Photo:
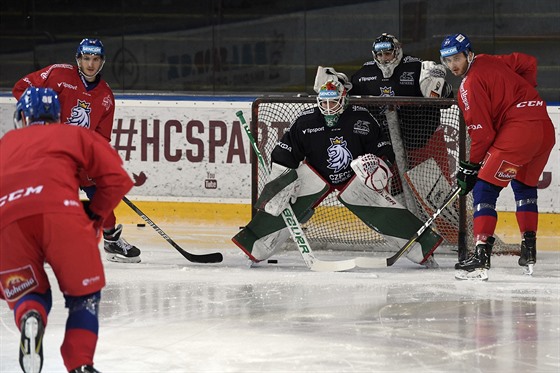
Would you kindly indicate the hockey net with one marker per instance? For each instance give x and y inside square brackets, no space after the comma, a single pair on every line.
[428,139]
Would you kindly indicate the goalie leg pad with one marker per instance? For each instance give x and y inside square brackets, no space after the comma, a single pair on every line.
[279,191]
[382,213]
[265,233]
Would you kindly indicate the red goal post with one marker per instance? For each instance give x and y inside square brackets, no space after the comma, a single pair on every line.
[428,138]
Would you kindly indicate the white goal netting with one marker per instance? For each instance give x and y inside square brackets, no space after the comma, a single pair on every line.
[428,139]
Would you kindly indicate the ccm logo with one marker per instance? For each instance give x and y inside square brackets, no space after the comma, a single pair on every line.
[530,103]
[20,193]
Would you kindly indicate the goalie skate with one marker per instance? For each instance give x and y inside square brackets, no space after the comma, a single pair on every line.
[478,274]
[528,269]
[430,262]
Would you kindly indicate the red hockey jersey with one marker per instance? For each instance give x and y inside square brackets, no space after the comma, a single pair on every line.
[93,109]
[39,172]
[495,90]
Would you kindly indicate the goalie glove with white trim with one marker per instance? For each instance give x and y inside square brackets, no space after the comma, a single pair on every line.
[372,170]
[432,80]
[281,190]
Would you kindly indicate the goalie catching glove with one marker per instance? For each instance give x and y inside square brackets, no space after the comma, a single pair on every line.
[432,80]
[280,190]
[372,170]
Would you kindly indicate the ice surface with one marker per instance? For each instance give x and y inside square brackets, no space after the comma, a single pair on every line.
[169,315]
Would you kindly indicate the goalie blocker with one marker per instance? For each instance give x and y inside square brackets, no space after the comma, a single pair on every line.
[265,233]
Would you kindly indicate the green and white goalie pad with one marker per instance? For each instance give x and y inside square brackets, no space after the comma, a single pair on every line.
[265,233]
[382,213]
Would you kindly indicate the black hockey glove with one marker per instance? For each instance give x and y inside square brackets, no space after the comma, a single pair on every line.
[467,176]
[96,219]
[92,215]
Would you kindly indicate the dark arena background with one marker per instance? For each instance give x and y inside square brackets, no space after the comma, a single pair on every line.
[181,71]
[233,46]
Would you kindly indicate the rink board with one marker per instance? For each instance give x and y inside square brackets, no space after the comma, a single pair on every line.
[238,214]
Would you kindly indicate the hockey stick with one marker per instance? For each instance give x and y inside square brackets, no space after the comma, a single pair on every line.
[374,262]
[293,224]
[204,258]
[406,248]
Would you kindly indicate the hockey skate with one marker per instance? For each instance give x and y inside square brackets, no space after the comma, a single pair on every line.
[430,262]
[477,265]
[85,369]
[31,345]
[117,249]
[528,256]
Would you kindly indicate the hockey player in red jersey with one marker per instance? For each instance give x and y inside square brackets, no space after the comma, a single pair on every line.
[43,221]
[86,101]
[512,137]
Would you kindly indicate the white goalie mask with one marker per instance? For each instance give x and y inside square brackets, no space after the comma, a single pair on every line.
[332,100]
[387,53]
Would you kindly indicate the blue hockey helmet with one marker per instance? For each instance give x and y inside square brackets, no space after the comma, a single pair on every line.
[37,106]
[453,44]
[90,46]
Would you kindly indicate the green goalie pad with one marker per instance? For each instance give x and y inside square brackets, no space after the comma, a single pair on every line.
[265,233]
[275,186]
[382,213]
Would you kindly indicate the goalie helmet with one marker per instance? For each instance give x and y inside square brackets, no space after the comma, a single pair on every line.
[387,53]
[37,106]
[332,99]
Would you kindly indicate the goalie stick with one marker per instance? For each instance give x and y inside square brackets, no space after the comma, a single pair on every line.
[203,258]
[406,248]
[293,224]
[374,262]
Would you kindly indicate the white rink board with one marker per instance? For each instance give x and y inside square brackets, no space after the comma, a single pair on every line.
[192,148]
